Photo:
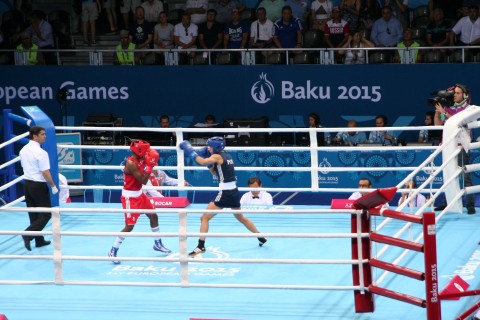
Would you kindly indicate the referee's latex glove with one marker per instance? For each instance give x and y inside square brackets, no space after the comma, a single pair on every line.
[54,190]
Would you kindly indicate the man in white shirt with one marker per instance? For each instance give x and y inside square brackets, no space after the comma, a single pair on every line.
[256,197]
[468,27]
[198,10]
[363,183]
[261,30]
[152,10]
[36,171]
[185,34]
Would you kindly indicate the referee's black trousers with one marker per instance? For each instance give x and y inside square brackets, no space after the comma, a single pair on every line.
[37,195]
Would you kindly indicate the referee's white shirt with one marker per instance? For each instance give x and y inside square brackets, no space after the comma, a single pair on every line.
[263,198]
[34,160]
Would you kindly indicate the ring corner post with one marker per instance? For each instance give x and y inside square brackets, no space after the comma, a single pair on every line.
[433,305]
[362,273]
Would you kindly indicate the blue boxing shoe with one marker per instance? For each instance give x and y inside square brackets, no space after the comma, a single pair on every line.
[158,246]
[113,253]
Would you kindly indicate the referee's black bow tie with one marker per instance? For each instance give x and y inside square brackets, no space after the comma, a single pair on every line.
[255,197]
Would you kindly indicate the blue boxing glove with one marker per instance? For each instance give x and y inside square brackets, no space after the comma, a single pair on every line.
[203,152]
[187,148]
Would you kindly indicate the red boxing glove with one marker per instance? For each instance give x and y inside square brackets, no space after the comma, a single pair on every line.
[148,170]
[151,158]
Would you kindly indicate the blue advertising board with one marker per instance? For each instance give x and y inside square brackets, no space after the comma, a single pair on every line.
[282,179]
[67,156]
[284,94]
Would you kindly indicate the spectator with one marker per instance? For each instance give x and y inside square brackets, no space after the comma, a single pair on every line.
[32,56]
[451,8]
[273,8]
[42,34]
[90,11]
[468,28]
[126,7]
[314,122]
[185,35]
[210,33]
[163,35]
[110,7]
[197,9]
[224,10]
[300,10]
[363,183]
[236,32]
[350,138]
[386,31]
[210,120]
[351,12]
[261,30]
[166,138]
[152,10]
[354,42]
[256,197]
[461,102]
[431,136]
[321,10]
[124,54]
[419,199]
[336,31]
[385,137]
[438,31]
[288,31]
[370,11]
[400,11]
[408,42]
[141,33]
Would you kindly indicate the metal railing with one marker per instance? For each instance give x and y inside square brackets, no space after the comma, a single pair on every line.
[247,57]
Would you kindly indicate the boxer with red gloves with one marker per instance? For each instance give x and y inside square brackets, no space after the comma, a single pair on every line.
[136,173]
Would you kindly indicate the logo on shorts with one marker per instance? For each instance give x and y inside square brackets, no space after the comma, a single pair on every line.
[262,91]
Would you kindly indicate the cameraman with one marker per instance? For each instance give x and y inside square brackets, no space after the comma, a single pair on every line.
[461,99]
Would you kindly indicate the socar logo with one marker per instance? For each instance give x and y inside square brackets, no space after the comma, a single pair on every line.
[262,91]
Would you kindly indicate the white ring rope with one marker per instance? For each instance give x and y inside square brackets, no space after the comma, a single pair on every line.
[182,234]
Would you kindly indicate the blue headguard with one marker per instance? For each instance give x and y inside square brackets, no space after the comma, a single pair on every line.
[217,144]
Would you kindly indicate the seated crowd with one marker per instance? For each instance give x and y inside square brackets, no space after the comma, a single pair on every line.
[350,137]
[296,25]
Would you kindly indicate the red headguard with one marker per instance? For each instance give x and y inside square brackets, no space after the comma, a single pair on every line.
[139,147]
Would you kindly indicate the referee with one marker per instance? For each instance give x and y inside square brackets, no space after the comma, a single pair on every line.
[36,170]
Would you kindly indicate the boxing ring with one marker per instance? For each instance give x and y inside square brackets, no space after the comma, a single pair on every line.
[318,262]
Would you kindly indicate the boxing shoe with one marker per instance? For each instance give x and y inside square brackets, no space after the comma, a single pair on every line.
[261,241]
[196,251]
[440,208]
[26,240]
[113,253]
[471,210]
[158,246]
[42,243]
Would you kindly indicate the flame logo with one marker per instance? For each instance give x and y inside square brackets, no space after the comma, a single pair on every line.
[262,91]
[324,164]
